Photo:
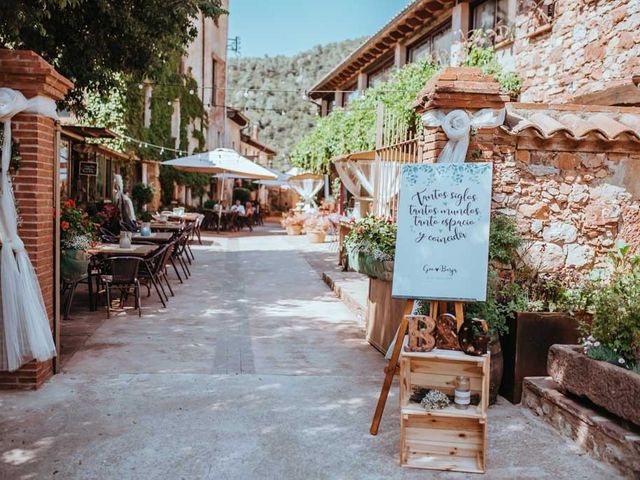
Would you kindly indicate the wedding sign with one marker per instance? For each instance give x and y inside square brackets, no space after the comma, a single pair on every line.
[442,247]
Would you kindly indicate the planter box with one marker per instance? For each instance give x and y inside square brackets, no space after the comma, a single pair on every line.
[609,386]
[526,346]
[383,314]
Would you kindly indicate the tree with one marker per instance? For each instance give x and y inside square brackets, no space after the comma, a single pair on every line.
[91,41]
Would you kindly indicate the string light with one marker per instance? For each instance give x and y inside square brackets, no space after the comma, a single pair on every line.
[144,144]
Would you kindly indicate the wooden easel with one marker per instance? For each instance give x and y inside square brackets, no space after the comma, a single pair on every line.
[392,367]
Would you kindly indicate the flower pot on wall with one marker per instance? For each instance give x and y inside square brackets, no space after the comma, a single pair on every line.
[614,388]
[73,265]
[526,345]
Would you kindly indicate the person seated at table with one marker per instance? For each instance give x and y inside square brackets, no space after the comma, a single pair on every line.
[238,207]
[251,210]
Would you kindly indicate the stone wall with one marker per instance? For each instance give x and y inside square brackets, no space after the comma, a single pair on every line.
[591,45]
[571,206]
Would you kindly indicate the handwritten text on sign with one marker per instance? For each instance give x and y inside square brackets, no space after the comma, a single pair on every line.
[443,231]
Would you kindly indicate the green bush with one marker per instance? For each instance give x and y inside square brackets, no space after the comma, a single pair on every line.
[209,204]
[141,194]
[242,194]
[613,329]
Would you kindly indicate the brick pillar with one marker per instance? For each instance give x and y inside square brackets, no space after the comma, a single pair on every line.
[462,88]
[34,186]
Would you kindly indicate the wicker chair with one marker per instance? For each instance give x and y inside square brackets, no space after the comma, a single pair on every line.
[122,273]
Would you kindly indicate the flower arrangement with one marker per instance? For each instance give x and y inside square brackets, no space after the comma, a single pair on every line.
[77,231]
[296,220]
[317,223]
[374,236]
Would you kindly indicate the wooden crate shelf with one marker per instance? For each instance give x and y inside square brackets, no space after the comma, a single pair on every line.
[449,439]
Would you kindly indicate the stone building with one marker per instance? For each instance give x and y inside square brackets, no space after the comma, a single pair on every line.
[568,173]
[252,148]
[561,49]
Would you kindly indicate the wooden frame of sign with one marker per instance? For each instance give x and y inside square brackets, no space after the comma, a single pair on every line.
[437,307]
[441,247]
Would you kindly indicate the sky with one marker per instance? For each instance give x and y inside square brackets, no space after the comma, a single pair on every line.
[286,27]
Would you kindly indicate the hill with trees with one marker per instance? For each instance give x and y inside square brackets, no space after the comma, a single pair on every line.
[270,91]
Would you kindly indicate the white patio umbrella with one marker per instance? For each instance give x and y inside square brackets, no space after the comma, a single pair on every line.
[225,161]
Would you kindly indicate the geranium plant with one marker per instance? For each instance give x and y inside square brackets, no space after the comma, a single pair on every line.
[77,231]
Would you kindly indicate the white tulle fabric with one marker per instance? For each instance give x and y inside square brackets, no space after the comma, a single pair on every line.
[24,323]
[457,125]
[307,189]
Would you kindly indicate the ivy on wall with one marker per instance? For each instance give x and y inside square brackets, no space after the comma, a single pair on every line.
[122,110]
[353,130]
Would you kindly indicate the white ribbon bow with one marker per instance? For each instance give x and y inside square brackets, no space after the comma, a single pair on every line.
[457,126]
[24,323]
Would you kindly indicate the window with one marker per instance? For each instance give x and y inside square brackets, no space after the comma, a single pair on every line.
[493,17]
[380,75]
[63,180]
[435,46]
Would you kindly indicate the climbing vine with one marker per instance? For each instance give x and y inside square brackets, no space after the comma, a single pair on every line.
[352,130]
[122,110]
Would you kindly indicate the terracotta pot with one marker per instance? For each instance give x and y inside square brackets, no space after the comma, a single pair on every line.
[497,369]
[316,236]
[294,230]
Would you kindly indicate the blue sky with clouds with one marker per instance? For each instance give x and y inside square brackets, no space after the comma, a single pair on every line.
[275,27]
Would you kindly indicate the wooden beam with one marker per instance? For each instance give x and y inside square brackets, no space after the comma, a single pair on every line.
[414,22]
[621,95]
[396,35]
[405,28]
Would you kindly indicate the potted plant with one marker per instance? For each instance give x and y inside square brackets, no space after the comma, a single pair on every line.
[77,235]
[606,369]
[371,246]
[293,224]
[142,194]
[316,227]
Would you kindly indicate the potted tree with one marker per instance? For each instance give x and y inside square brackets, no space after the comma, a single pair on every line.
[142,194]
[77,235]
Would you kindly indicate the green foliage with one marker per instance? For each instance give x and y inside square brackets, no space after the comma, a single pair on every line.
[614,307]
[209,204]
[504,239]
[352,130]
[481,54]
[145,216]
[374,236]
[335,188]
[91,41]
[170,176]
[242,194]
[141,194]
[283,116]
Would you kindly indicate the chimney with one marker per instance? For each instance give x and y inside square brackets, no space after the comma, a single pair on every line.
[254,132]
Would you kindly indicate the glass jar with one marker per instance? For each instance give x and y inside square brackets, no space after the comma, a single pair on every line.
[462,394]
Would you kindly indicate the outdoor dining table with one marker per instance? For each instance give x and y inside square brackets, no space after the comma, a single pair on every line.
[155,237]
[166,226]
[106,250]
[114,250]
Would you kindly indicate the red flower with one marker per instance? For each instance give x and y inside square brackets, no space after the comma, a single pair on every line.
[353,220]
[70,203]
[65,226]
[360,229]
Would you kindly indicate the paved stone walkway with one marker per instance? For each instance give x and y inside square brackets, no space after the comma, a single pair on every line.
[255,371]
